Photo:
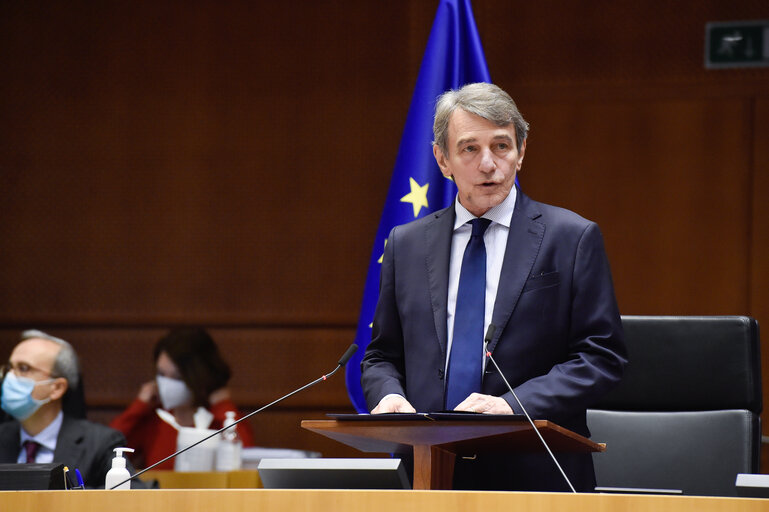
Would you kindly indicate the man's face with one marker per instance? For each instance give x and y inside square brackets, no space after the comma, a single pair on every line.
[482,158]
[33,359]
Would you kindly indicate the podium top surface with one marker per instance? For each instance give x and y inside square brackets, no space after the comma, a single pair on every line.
[429,416]
[461,434]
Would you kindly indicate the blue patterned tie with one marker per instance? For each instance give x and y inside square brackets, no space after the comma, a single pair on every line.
[467,343]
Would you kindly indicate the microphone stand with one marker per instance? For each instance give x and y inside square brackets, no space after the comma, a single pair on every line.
[486,340]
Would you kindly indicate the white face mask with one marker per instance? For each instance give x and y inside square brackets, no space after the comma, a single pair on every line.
[173,392]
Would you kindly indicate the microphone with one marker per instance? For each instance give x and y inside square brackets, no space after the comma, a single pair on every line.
[486,340]
[342,361]
[345,357]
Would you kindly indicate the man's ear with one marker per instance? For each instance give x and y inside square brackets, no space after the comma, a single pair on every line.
[60,386]
[440,158]
[521,153]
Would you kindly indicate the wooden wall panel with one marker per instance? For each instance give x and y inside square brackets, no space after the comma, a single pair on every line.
[759,256]
[672,208]
[557,45]
[173,164]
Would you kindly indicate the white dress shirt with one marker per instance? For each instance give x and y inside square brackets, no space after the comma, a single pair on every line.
[46,439]
[495,240]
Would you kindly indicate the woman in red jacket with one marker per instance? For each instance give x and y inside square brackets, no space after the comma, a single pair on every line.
[190,373]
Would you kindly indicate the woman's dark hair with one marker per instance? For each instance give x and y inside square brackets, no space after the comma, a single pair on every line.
[194,352]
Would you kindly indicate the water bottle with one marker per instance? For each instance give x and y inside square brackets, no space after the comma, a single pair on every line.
[228,457]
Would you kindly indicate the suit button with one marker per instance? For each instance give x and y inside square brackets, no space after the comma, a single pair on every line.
[440,374]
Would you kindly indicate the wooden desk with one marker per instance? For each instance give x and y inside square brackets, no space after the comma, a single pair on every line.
[264,500]
[243,479]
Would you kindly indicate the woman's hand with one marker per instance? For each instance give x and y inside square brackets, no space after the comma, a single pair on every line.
[148,393]
[219,395]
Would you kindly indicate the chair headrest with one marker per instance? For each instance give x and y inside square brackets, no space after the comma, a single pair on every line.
[689,363]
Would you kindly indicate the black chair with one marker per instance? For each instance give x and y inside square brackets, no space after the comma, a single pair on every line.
[686,414]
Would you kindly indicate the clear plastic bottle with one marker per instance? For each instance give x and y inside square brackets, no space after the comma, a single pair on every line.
[228,453]
[118,473]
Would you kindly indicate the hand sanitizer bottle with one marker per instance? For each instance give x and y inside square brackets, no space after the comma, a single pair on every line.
[228,457]
[118,473]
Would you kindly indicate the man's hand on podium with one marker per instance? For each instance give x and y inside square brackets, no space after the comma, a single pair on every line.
[393,403]
[488,404]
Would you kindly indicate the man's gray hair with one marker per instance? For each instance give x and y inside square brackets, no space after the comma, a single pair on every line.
[485,100]
[66,364]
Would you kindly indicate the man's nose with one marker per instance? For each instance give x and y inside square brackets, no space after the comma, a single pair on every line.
[487,163]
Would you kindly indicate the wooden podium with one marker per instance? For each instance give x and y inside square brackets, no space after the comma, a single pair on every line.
[437,440]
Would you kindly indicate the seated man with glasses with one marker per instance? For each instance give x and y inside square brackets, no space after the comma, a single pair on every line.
[40,370]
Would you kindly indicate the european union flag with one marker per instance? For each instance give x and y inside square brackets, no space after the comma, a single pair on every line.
[453,58]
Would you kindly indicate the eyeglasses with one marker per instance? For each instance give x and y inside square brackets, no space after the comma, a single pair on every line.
[21,370]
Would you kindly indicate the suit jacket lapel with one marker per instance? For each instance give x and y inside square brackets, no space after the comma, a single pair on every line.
[438,235]
[523,242]
[10,442]
[69,443]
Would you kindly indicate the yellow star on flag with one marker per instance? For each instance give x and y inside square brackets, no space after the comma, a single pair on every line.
[417,197]
[382,256]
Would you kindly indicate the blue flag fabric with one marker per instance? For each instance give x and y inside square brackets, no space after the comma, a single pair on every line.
[453,57]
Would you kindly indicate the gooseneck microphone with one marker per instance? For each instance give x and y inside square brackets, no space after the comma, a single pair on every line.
[486,340]
[342,361]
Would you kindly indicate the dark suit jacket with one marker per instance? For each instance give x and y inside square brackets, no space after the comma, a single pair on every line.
[558,336]
[81,444]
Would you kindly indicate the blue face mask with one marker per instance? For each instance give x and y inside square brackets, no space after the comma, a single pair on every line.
[17,397]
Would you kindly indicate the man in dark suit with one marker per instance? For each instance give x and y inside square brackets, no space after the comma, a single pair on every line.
[36,377]
[545,285]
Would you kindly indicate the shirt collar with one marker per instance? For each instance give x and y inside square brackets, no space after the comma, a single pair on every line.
[501,214]
[47,437]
